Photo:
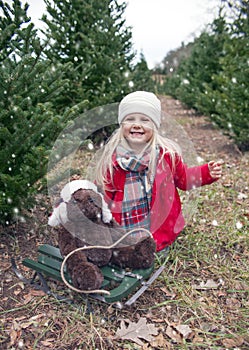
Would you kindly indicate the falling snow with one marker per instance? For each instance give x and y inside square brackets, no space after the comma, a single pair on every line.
[214,223]
[185,81]
[199,159]
[90,146]
[239,225]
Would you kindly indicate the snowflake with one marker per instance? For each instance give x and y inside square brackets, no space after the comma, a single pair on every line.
[185,81]
[239,225]
[214,223]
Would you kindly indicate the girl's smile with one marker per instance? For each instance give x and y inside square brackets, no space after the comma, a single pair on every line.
[137,129]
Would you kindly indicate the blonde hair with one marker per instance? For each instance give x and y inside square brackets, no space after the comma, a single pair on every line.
[104,163]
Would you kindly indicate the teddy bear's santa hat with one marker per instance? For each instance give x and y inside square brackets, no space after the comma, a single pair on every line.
[59,214]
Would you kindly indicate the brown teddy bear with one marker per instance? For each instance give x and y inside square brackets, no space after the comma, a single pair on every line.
[84,220]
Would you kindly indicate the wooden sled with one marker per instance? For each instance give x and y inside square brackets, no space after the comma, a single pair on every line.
[119,282]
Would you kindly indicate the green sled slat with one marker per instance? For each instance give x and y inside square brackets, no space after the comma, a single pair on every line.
[49,250]
[48,271]
[128,285]
[49,263]
[109,272]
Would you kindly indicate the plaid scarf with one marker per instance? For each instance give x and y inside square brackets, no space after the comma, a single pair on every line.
[137,190]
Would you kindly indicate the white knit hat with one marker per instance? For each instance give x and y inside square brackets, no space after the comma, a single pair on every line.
[141,102]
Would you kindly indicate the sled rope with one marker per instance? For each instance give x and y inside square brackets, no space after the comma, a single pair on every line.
[98,291]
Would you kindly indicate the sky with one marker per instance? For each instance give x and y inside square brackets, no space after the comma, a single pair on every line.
[158,26]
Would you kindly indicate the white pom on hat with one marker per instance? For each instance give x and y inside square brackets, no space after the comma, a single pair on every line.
[75,185]
[141,102]
[59,215]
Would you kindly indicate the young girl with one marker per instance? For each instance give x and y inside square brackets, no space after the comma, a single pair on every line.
[139,171]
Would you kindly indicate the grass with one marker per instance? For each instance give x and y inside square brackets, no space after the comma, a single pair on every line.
[218,316]
[213,247]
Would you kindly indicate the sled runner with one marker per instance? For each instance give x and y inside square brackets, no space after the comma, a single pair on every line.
[119,282]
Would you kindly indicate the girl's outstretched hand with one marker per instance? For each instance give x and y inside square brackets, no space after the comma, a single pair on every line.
[215,168]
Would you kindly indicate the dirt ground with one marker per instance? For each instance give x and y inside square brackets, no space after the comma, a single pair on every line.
[22,239]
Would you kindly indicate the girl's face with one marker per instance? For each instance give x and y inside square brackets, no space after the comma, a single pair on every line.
[137,129]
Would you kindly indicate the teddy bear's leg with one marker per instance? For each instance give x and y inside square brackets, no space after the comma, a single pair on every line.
[85,275]
[139,256]
[99,257]
[66,241]
[121,256]
[144,254]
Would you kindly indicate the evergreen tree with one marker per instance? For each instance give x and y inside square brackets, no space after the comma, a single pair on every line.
[29,123]
[230,97]
[171,61]
[214,79]
[90,34]
[142,76]
[204,61]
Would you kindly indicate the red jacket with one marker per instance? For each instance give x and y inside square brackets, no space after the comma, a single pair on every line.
[166,213]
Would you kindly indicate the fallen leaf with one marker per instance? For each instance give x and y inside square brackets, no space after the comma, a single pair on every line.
[33,293]
[197,339]
[157,320]
[210,284]
[19,284]
[13,336]
[233,303]
[242,195]
[20,318]
[239,285]
[27,298]
[160,342]
[37,317]
[233,343]
[15,333]
[17,292]
[48,342]
[185,331]
[25,325]
[34,321]
[5,266]
[37,293]
[168,293]
[173,334]
[228,184]
[136,331]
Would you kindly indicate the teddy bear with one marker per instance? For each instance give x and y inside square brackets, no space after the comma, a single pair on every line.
[83,219]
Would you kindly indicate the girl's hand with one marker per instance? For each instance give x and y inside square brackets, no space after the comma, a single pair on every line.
[215,168]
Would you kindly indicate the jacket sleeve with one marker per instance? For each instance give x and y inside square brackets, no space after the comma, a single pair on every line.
[187,178]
